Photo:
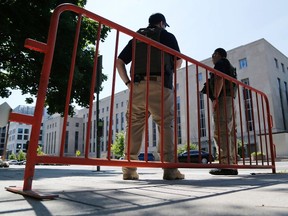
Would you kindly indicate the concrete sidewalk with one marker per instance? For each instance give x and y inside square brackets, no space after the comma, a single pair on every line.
[84,191]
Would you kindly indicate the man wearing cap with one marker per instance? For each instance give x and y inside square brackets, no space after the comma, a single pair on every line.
[157,23]
[224,113]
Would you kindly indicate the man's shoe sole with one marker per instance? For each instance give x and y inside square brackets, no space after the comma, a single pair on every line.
[223,172]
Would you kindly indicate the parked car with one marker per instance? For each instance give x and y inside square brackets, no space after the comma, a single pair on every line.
[13,162]
[141,156]
[23,162]
[194,157]
[4,163]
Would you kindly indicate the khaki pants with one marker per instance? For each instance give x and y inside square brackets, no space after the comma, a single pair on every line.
[138,120]
[224,131]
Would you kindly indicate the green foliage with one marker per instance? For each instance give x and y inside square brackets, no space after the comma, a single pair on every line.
[259,154]
[21,156]
[12,157]
[20,68]
[39,150]
[118,145]
[77,153]
[241,148]
[184,148]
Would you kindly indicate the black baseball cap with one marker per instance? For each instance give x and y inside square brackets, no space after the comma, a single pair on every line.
[156,18]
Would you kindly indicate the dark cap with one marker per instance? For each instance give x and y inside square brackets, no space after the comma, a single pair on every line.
[157,18]
[222,52]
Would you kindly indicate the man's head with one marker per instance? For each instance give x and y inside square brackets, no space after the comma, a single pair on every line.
[218,54]
[158,19]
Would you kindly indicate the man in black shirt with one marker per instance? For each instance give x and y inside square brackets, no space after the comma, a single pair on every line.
[224,119]
[157,25]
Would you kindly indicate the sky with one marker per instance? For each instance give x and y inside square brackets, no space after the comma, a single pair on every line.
[200,27]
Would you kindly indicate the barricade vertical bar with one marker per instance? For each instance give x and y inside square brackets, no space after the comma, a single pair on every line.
[198,113]
[218,128]
[176,128]
[241,124]
[246,92]
[187,110]
[92,88]
[128,147]
[254,127]
[113,88]
[228,147]
[269,118]
[146,141]
[234,123]
[209,117]
[162,108]
[265,130]
[69,88]
[259,128]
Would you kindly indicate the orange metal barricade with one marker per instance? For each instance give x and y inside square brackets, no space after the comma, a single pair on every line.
[256,107]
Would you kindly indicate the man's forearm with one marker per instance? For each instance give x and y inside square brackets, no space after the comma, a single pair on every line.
[122,71]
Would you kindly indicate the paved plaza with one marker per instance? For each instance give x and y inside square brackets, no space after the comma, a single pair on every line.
[84,191]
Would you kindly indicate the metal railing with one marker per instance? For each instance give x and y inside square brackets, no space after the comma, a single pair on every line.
[255,107]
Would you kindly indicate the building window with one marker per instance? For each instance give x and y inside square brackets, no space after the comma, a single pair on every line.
[202,116]
[77,124]
[243,63]
[282,104]
[179,121]
[76,140]
[117,123]
[247,98]
[20,130]
[286,91]
[116,105]
[276,63]
[154,136]
[283,68]
[200,77]
[122,121]
[66,141]
[26,131]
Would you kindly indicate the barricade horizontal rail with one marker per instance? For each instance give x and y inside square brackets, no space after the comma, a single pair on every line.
[251,105]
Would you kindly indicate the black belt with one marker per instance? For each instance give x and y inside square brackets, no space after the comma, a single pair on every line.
[153,78]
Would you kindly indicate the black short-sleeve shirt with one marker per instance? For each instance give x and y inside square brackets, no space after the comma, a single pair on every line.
[224,66]
[167,39]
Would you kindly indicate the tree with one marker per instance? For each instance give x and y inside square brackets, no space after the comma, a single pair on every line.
[12,157]
[20,68]
[118,145]
[21,156]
